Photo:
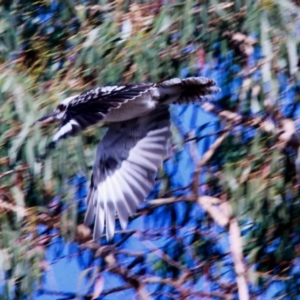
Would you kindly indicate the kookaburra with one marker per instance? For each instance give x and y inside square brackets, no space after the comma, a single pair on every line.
[135,145]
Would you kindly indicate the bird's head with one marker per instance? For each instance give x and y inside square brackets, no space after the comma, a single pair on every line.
[58,113]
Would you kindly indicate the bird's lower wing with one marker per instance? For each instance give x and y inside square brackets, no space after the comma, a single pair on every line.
[127,161]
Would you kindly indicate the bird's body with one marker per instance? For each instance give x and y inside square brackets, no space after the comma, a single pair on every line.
[135,145]
[132,109]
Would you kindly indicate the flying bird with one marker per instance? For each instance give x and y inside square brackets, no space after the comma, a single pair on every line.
[135,145]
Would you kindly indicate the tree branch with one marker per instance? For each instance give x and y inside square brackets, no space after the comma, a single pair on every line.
[236,248]
[207,203]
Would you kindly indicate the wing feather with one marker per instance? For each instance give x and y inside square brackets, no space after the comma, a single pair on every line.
[99,221]
[129,200]
[128,158]
[123,211]
[91,207]
[92,106]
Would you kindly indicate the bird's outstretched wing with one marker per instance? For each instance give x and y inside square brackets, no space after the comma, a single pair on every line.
[92,106]
[128,158]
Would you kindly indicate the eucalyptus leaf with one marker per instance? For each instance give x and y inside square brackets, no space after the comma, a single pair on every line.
[20,201]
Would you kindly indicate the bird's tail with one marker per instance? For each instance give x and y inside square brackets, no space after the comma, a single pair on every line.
[188,90]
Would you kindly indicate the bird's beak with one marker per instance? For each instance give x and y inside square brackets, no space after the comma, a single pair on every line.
[47,119]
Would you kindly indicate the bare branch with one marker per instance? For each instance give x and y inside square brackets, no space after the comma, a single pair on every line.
[6,173]
[143,293]
[73,295]
[164,256]
[15,208]
[178,284]
[236,248]
[225,114]
[207,203]
[211,151]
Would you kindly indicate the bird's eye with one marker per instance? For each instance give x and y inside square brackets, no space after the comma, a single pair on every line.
[61,107]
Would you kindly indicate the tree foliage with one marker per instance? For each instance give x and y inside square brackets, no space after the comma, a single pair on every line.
[233,228]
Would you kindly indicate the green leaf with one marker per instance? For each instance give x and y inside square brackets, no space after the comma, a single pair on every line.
[48,172]
[245,173]
[91,38]
[19,139]
[20,201]
[8,84]
[83,276]
[252,256]
[163,21]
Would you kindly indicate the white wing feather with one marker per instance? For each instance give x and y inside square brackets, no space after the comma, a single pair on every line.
[128,158]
